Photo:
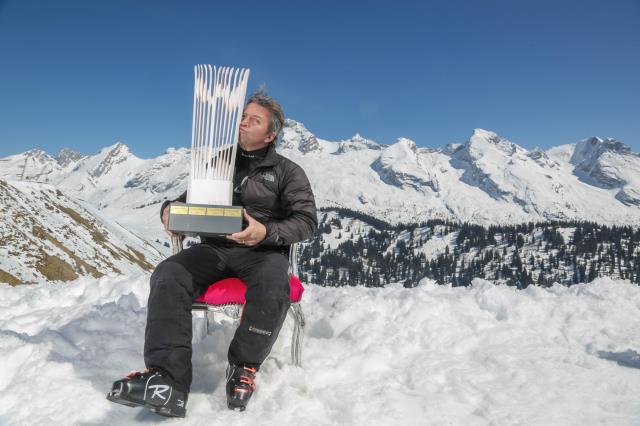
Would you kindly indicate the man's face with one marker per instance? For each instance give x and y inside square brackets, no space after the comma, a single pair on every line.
[254,133]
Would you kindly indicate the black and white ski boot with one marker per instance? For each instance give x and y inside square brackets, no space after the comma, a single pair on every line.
[149,389]
[240,386]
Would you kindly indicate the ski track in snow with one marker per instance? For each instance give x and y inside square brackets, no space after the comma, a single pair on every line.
[431,355]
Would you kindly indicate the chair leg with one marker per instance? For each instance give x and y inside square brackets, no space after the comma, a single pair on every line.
[298,333]
[200,326]
[203,324]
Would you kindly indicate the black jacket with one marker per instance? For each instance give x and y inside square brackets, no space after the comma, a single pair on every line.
[277,194]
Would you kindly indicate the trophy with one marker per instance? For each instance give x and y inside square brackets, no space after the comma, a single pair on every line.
[218,102]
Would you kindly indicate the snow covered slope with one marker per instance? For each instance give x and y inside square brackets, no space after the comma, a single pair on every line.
[46,235]
[123,187]
[433,354]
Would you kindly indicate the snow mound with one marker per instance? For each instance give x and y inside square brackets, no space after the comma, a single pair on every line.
[432,354]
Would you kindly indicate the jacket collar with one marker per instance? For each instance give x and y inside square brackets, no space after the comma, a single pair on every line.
[271,159]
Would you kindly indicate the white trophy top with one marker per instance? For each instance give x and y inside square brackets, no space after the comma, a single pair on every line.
[218,102]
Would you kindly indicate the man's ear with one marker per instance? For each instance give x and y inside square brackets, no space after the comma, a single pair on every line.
[272,137]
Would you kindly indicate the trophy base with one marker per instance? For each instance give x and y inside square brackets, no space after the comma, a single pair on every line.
[206,220]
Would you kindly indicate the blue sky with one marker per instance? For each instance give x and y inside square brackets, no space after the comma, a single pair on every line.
[85,74]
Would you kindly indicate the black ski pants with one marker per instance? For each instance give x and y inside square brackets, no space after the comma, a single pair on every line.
[181,278]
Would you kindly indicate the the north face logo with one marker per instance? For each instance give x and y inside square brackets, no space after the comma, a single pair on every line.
[268,177]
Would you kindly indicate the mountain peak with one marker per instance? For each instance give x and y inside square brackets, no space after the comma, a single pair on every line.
[487,135]
[407,142]
[589,150]
[119,148]
[39,156]
[482,139]
[406,145]
[296,135]
[297,126]
[35,152]
[357,143]
[67,156]
[111,155]
[601,145]
[180,150]
[607,163]
[402,148]
[361,139]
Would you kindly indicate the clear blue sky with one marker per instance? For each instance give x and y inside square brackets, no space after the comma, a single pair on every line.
[85,74]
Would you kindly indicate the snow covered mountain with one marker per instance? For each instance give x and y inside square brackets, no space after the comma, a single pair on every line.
[46,235]
[598,163]
[486,180]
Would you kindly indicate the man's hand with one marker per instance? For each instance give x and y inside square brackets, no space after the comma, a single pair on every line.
[165,222]
[252,234]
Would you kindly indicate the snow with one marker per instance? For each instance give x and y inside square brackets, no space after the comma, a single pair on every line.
[437,244]
[429,355]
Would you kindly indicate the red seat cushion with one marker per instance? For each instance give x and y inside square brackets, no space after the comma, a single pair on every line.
[231,290]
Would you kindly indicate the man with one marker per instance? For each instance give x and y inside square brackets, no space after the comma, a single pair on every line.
[279,210]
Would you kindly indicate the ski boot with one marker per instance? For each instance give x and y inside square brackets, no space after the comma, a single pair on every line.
[149,389]
[240,386]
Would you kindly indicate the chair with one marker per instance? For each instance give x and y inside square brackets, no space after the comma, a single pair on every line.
[227,297]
